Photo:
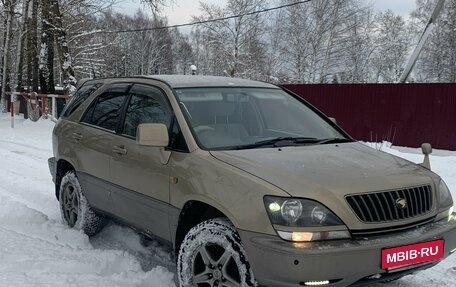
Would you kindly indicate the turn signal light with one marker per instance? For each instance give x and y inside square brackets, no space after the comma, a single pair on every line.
[301,236]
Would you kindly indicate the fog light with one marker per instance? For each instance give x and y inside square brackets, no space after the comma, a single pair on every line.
[316,283]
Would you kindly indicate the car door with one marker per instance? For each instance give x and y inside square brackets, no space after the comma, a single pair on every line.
[95,136]
[140,175]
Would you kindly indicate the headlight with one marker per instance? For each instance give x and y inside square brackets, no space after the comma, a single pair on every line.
[291,210]
[302,220]
[451,214]
[299,212]
[445,196]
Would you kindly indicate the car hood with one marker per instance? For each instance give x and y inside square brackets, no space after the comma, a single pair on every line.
[327,173]
[341,169]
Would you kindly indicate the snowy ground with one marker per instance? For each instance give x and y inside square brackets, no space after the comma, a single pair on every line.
[37,249]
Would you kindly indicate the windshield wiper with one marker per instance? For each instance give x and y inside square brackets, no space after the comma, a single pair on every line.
[333,140]
[279,142]
[291,141]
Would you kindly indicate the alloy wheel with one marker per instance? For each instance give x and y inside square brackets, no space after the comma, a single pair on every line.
[70,205]
[214,266]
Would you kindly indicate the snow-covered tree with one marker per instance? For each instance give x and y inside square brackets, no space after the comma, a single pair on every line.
[234,46]
[437,62]
[315,35]
[274,66]
[358,48]
[8,11]
[182,53]
[46,52]
[132,53]
[393,45]
[321,41]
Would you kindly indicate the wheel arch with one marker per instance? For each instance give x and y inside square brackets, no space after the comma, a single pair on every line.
[193,213]
[63,166]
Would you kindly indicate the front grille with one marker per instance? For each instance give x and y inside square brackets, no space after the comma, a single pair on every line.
[387,206]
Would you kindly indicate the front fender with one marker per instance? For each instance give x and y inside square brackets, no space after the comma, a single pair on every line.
[235,193]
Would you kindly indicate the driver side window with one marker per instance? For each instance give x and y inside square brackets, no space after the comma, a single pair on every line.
[147,105]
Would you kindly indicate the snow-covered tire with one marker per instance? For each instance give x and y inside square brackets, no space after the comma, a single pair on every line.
[75,209]
[211,254]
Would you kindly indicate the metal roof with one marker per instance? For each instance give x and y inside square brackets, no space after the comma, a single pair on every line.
[193,81]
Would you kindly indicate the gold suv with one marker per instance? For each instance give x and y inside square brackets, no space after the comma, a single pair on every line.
[250,184]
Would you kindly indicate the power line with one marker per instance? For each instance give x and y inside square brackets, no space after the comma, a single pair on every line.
[210,20]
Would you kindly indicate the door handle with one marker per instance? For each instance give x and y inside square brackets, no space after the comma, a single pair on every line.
[120,150]
[77,136]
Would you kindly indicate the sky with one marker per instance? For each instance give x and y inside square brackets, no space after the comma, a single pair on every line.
[401,7]
[183,10]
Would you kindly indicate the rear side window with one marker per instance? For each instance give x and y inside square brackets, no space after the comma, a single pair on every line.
[79,97]
[106,110]
[147,105]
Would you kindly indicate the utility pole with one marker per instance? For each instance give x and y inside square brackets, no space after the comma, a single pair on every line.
[424,37]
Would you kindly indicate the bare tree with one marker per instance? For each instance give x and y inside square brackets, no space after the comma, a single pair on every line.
[357,49]
[275,70]
[182,52]
[22,49]
[65,59]
[157,5]
[9,11]
[123,54]
[32,46]
[393,42]
[437,62]
[236,43]
[314,32]
[46,55]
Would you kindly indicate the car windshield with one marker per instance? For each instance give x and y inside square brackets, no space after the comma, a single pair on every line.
[242,118]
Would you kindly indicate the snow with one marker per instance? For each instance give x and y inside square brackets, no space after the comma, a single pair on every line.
[37,249]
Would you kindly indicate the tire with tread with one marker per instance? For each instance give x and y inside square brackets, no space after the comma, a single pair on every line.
[74,207]
[225,262]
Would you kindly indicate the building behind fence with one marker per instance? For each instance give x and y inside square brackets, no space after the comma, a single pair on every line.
[406,114]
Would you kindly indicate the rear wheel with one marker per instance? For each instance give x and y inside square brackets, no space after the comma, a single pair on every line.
[75,209]
[211,255]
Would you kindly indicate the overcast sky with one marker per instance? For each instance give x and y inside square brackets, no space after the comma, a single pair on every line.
[182,10]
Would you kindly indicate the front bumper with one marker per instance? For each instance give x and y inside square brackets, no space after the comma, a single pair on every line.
[276,262]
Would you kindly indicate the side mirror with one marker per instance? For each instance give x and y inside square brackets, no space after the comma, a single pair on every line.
[333,120]
[152,135]
[427,150]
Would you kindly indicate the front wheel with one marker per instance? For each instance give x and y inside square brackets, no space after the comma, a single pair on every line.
[211,254]
[75,209]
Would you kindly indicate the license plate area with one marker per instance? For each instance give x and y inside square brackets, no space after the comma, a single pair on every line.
[407,255]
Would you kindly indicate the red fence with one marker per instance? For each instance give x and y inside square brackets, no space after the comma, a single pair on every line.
[407,114]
